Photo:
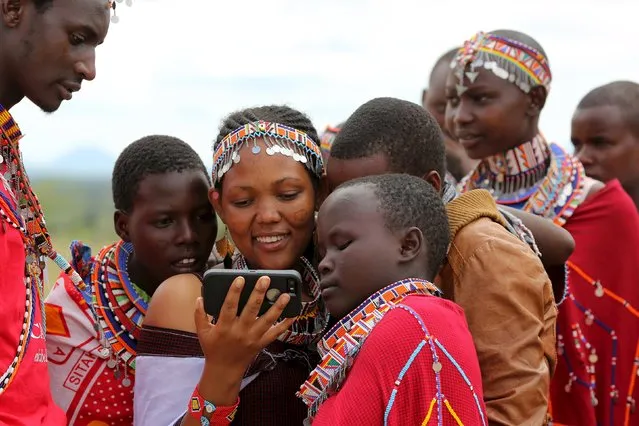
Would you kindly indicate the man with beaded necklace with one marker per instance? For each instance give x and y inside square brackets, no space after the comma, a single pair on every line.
[47,48]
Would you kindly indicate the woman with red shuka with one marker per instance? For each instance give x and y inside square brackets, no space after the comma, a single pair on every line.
[496,91]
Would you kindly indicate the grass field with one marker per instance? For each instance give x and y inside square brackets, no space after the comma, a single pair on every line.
[76,210]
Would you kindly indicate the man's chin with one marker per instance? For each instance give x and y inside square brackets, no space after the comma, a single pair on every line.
[49,109]
[47,106]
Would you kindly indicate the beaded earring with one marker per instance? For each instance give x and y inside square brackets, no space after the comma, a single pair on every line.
[112,5]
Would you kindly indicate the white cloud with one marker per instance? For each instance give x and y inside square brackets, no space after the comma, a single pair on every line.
[179,67]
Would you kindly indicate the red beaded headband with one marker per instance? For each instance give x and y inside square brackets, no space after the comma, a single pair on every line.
[278,138]
[509,59]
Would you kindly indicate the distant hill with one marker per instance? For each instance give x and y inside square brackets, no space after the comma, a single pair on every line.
[76,209]
[81,162]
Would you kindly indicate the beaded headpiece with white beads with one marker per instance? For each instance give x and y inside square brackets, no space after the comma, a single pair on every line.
[278,139]
[508,59]
[112,5]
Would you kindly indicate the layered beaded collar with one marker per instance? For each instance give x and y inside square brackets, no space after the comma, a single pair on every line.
[342,343]
[535,176]
[312,321]
[512,175]
[120,305]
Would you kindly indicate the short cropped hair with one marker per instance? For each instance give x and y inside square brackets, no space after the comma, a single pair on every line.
[409,201]
[150,155]
[403,131]
[621,94]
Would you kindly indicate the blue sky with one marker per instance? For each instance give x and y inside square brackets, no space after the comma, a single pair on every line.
[178,67]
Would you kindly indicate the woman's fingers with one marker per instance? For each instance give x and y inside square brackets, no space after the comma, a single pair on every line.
[228,313]
[266,321]
[248,327]
[252,309]
[275,331]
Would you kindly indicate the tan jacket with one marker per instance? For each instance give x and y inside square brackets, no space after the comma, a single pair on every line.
[508,300]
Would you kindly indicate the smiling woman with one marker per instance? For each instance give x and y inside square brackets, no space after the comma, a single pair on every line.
[267,166]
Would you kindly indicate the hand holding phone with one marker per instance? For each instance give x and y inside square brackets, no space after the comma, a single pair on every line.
[233,342]
[217,283]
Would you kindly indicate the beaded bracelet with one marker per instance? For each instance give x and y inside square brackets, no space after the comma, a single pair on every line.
[208,414]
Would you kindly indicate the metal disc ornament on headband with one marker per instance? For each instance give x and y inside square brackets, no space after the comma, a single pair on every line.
[112,5]
[278,138]
[508,59]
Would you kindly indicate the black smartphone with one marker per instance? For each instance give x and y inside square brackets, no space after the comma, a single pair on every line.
[217,283]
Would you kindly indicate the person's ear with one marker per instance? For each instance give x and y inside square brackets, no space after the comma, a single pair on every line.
[536,100]
[12,12]
[121,225]
[435,180]
[411,243]
[215,200]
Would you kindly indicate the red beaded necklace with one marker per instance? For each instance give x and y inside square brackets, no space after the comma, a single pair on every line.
[22,211]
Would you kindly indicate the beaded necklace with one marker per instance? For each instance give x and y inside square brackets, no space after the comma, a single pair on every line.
[22,211]
[120,305]
[534,177]
[10,215]
[512,175]
[313,320]
[556,197]
[340,345]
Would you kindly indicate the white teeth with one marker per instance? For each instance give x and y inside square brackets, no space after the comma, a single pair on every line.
[187,261]
[270,239]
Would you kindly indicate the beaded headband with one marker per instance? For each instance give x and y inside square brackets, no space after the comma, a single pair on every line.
[112,4]
[327,138]
[508,59]
[278,138]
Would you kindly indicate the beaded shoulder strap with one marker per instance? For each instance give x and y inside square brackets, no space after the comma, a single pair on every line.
[342,343]
[20,209]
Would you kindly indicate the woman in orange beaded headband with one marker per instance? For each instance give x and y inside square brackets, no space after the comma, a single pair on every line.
[266,171]
[496,93]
